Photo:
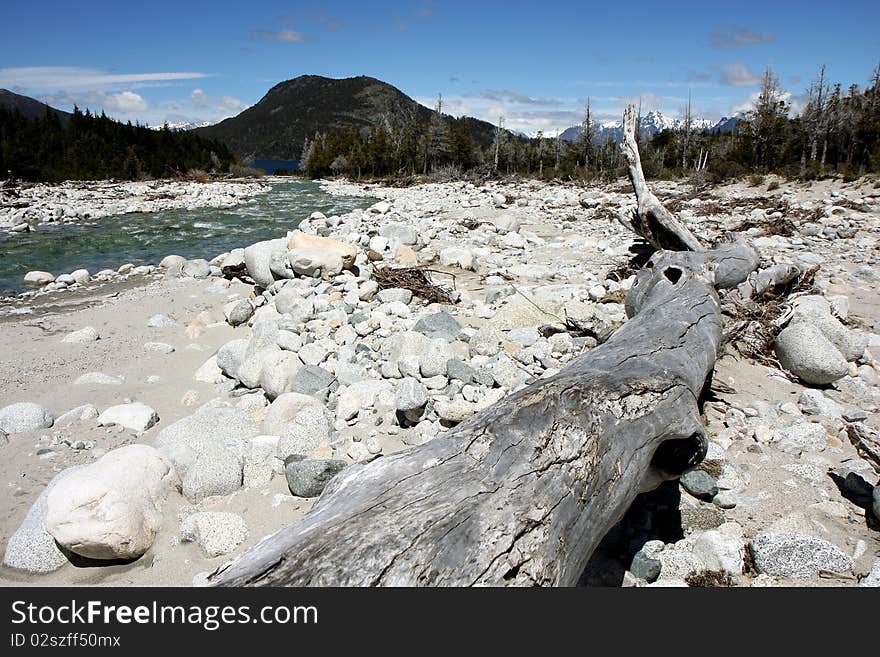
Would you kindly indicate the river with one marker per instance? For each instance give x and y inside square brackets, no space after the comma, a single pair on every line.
[146,238]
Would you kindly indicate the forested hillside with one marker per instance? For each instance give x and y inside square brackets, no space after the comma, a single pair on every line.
[88,147]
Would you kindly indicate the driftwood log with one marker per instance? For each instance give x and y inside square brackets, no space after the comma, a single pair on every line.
[521,493]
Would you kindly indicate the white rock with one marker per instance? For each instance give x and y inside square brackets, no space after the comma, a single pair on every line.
[86,334]
[112,508]
[135,416]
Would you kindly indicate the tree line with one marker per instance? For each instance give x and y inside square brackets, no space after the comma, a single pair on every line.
[836,132]
[83,146]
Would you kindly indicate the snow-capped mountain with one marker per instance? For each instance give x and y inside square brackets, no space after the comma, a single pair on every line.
[650,124]
[183,125]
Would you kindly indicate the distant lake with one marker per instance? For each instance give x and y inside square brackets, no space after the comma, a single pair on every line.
[146,237]
[270,166]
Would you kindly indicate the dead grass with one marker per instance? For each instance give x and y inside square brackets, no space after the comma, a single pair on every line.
[416,280]
[709,579]
[753,324]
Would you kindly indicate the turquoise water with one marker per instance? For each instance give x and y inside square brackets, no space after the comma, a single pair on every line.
[146,238]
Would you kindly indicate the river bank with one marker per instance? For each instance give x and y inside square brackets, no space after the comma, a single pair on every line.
[333,368]
[25,205]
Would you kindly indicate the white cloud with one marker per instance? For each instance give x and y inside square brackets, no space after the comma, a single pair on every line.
[125,102]
[51,78]
[286,35]
[199,98]
[738,74]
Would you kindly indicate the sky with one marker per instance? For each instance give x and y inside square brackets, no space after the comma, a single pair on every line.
[533,63]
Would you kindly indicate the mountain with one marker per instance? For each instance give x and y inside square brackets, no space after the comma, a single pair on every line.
[650,124]
[276,127]
[183,125]
[29,107]
[727,124]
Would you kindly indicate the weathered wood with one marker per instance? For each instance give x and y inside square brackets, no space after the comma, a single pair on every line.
[650,219]
[521,493]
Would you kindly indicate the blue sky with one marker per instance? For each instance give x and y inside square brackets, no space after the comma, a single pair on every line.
[534,63]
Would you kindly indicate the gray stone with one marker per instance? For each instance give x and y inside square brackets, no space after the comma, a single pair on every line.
[392,294]
[816,310]
[796,555]
[284,409]
[240,313]
[258,257]
[410,394]
[159,347]
[135,416]
[803,350]
[197,268]
[399,233]
[31,548]
[700,484]
[278,371]
[807,436]
[308,478]
[458,369]
[230,357]
[875,505]
[216,532]
[645,566]
[439,325]
[215,471]
[814,402]
[313,261]
[209,372]
[78,414]
[25,416]
[312,380]
[432,361]
[213,425]
[310,430]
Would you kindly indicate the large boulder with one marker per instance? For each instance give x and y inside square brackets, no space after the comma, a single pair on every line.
[257,258]
[38,278]
[284,410]
[299,240]
[309,431]
[279,369]
[25,416]
[816,310]
[213,425]
[112,508]
[311,261]
[230,357]
[804,351]
[796,555]
[198,268]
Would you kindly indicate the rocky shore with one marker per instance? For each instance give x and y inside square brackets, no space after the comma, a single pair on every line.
[28,205]
[155,432]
